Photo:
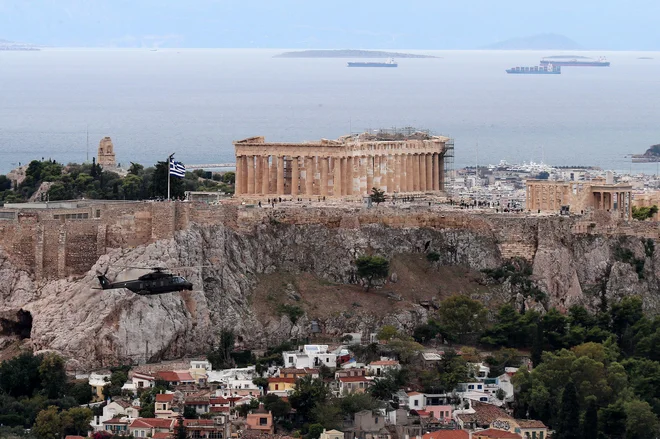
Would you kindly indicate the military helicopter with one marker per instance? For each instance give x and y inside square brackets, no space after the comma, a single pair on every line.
[156,282]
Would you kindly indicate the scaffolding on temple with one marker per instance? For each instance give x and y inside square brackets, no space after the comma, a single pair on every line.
[448,182]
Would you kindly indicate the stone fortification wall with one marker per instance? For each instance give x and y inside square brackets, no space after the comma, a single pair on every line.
[54,243]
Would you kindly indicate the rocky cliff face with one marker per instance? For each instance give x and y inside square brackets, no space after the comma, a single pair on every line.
[96,328]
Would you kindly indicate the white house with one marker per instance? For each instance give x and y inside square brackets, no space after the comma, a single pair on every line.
[479,370]
[378,368]
[199,369]
[139,381]
[416,401]
[311,355]
[119,409]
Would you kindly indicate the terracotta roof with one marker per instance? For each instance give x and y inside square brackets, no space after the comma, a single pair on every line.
[413,393]
[220,409]
[185,376]
[152,423]
[491,433]
[384,363]
[168,375]
[219,400]
[165,397]
[422,413]
[161,435]
[483,414]
[530,423]
[447,434]
[353,379]
[74,437]
[281,380]
[143,376]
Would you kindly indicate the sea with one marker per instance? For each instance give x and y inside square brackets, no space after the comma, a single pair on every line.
[58,104]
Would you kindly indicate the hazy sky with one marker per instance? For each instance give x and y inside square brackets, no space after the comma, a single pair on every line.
[421,24]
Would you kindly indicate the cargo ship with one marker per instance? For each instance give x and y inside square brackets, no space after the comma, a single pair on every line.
[389,63]
[575,62]
[548,69]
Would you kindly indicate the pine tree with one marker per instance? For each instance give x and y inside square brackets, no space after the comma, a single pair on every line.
[590,422]
[568,422]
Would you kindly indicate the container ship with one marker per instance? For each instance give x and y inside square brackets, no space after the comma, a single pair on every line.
[389,63]
[548,69]
[575,62]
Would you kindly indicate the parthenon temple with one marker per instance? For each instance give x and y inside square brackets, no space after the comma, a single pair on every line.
[349,166]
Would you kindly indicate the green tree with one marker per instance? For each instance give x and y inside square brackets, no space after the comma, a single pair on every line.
[377,195]
[371,268]
[75,421]
[328,414]
[19,376]
[387,332]
[181,431]
[307,393]
[461,316]
[315,431]
[229,177]
[590,421]
[220,357]
[641,422]
[189,412]
[276,405]
[135,169]
[48,424]
[569,413]
[131,186]
[81,391]
[53,375]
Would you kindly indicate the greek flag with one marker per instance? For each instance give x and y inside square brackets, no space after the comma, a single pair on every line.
[177,169]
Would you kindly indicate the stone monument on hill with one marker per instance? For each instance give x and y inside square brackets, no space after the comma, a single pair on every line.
[106,154]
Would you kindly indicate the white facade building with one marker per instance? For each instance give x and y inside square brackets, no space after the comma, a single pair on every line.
[311,355]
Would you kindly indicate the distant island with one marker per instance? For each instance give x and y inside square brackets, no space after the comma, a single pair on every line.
[651,155]
[349,53]
[536,42]
[13,45]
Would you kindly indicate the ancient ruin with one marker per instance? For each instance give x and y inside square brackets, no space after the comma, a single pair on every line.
[395,162]
[579,196]
[106,153]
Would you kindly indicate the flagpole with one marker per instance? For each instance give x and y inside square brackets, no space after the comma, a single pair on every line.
[169,176]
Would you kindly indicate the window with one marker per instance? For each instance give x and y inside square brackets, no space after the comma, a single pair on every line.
[140,384]
[416,403]
[471,387]
[277,387]
[290,360]
[263,421]
[480,387]
[327,360]
[483,399]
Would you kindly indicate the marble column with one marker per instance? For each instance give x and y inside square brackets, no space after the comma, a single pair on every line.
[415,172]
[280,175]
[239,175]
[404,173]
[337,183]
[370,173]
[295,176]
[264,175]
[396,185]
[378,181]
[272,175]
[324,177]
[250,174]
[429,172]
[257,175]
[309,176]
[436,172]
[244,175]
[422,172]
